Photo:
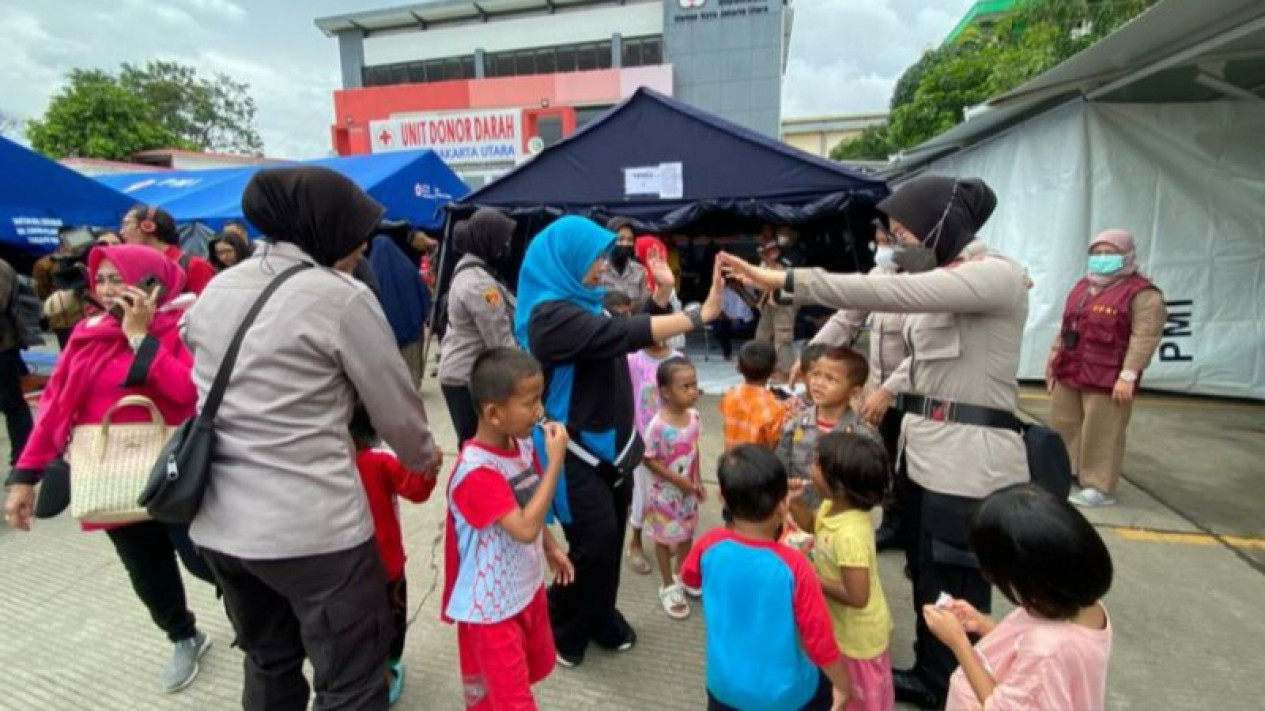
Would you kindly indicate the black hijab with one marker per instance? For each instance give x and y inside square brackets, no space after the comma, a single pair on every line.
[314,208]
[486,235]
[958,207]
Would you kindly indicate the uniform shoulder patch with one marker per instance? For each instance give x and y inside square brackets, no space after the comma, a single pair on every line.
[492,297]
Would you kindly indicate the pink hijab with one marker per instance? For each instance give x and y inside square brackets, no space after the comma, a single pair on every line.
[1122,240]
[90,347]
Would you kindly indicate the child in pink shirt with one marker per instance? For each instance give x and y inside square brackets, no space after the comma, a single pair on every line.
[1052,652]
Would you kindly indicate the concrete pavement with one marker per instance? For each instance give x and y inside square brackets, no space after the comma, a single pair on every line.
[1186,607]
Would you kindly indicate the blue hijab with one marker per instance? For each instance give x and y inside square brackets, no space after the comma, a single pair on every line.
[554,267]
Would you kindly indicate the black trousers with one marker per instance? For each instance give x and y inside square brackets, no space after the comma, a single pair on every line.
[331,609]
[822,699]
[148,551]
[17,414]
[397,598]
[894,510]
[941,562]
[585,609]
[461,408]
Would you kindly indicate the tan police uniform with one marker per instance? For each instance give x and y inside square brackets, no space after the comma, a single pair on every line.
[887,341]
[631,283]
[480,316]
[964,329]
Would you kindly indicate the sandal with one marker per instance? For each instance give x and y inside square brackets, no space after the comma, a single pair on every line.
[638,561]
[674,602]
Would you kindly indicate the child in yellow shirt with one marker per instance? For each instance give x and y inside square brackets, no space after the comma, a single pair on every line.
[851,471]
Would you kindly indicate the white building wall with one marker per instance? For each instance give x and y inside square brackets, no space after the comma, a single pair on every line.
[587,25]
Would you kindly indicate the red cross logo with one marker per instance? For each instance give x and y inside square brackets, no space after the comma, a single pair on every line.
[385,137]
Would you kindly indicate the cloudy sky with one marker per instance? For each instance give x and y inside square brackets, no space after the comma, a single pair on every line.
[845,55]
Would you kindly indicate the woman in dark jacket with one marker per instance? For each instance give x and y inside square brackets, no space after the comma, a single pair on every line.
[584,353]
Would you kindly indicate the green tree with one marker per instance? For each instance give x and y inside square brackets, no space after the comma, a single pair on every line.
[872,144]
[94,117]
[933,94]
[215,113]
[162,105]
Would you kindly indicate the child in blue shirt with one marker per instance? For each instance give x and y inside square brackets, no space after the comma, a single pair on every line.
[770,644]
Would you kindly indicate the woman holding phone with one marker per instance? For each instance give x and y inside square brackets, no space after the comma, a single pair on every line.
[133,348]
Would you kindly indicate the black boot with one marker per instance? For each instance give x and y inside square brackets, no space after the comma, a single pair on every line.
[911,689]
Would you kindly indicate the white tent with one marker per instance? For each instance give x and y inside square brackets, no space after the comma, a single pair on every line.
[1159,129]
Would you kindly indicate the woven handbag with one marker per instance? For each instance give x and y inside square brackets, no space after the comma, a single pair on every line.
[110,464]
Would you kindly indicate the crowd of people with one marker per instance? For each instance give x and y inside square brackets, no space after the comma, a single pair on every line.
[573,401]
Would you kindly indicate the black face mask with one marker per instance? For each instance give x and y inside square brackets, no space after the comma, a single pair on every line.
[914,259]
[620,255]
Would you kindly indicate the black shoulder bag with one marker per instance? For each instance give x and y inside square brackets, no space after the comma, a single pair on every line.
[179,477]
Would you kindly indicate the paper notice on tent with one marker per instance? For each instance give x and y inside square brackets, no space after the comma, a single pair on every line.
[665,181]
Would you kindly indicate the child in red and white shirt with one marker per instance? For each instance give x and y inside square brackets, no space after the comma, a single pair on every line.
[496,540]
[385,481]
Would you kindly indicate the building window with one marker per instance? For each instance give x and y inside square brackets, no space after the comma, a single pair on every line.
[585,114]
[642,51]
[432,70]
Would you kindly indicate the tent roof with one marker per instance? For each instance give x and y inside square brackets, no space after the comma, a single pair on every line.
[412,185]
[723,164]
[1177,51]
[38,195]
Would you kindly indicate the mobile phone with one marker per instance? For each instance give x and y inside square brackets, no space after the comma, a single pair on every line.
[147,285]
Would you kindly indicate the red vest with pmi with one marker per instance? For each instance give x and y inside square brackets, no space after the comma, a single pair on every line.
[1105,324]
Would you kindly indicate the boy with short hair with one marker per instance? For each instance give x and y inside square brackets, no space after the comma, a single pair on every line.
[835,381]
[752,413]
[494,585]
[770,644]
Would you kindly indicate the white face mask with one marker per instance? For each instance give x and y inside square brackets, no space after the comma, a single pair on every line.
[883,257]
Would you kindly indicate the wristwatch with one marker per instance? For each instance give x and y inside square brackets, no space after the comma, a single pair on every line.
[695,312]
[1128,376]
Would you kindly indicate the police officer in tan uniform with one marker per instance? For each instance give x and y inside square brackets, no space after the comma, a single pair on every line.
[777,319]
[623,273]
[966,306]
[480,311]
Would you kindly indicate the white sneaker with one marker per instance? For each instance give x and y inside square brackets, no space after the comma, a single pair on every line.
[674,602]
[1091,498]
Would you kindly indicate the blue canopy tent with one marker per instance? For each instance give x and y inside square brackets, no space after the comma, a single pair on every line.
[37,196]
[412,185]
[162,187]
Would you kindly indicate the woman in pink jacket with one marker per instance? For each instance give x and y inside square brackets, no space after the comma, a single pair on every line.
[107,359]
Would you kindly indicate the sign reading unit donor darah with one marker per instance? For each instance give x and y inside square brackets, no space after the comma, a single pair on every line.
[463,138]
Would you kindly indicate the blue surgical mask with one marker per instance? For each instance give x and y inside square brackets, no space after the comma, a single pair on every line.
[1105,264]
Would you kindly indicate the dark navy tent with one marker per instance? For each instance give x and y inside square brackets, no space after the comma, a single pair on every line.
[37,196]
[681,172]
[677,169]
[412,185]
